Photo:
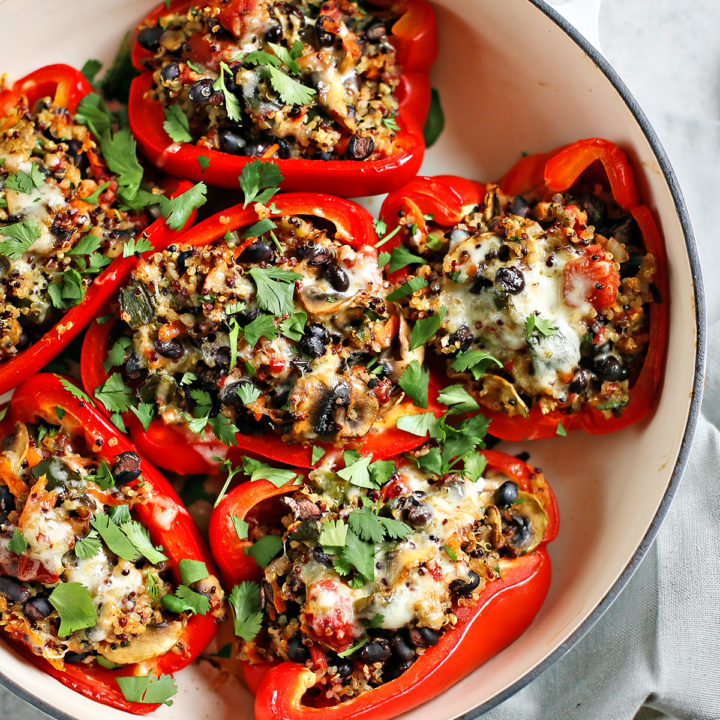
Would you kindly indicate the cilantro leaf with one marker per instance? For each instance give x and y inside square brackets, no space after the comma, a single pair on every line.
[414,381]
[144,413]
[176,124]
[265,549]
[103,477]
[232,104]
[25,182]
[116,353]
[400,257]
[20,237]
[241,527]
[424,329]
[87,245]
[293,326]
[178,209]
[259,228]
[191,571]
[204,162]
[186,600]
[67,290]
[259,57]
[291,91]
[275,289]
[244,599]
[318,453]
[248,393]
[285,57]
[333,534]
[383,259]
[360,554]
[534,324]
[560,430]
[367,525]
[114,394]
[474,466]
[224,429]
[114,537]
[18,543]
[258,470]
[119,514]
[395,529]
[148,689]
[89,546]
[457,397]
[353,649]
[90,69]
[408,288]
[74,390]
[419,424]
[262,326]
[476,361]
[357,472]
[450,553]
[138,535]
[139,245]
[75,607]
[259,181]
[94,197]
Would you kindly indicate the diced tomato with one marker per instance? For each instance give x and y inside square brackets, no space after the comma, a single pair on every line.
[591,277]
[330,614]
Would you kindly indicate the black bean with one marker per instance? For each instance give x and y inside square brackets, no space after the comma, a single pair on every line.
[259,251]
[344,668]
[182,259]
[7,499]
[13,590]
[506,494]
[324,155]
[520,530]
[337,277]
[79,158]
[520,206]
[221,355]
[274,34]
[325,38]
[480,283]
[579,383]
[402,652]
[233,142]
[625,231]
[149,37]
[630,267]
[510,279]
[316,255]
[126,467]
[256,148]
[339,396]
[423,637]
[609,367]
[375,31]
[133,369]
[314,340]
[360,148]
[169,348]
[170,72]
[201,90]
[462,338]
[376,651]
[418,515]
[247,316]
[322,557]
[393,671]
[296,651]
[465,587]
[37,608]
[228,394]
[74,657]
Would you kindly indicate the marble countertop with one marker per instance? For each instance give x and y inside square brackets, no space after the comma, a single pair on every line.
[669,55]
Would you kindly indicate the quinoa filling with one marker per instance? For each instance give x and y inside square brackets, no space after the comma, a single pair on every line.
[299,79]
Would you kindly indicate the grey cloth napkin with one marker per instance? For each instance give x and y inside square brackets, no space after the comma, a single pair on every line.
[656,652]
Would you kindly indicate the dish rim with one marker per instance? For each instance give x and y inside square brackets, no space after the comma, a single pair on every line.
[700,352]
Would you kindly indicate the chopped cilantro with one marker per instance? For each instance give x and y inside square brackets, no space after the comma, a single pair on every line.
[259,181]
[148,689]
[293,326]
[20,237]
[241,527]
[265,549]
[244,599]
[177,210]
[318,453]
[176,124]
[414,381]
[425,328]
[191,571]
[248,393]
[89,546]
[75,607]
[560,430]
[261,326]
[94,197]
[139,245]
[232,104]
[533,324]
[114,394]
[400,257]
[275,289]
[18,543]
[476,361]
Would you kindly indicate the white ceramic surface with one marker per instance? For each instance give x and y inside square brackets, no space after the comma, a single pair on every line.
[511,80]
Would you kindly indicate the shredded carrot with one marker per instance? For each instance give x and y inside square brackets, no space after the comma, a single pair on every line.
[33,457]
[16,486]
[39,500]
[270,151]
[171,330]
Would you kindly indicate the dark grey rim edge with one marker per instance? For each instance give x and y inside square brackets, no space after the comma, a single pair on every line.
[602,63]
[693,414]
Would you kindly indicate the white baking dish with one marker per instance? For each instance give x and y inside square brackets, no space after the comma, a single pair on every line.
[513,77]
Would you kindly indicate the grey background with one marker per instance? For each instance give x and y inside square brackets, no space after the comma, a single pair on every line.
[654,654]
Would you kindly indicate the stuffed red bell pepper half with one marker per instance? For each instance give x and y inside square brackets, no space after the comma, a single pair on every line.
[262,326]
[335,91]
[376,585]
[105,581]
[73,215]
[545,295]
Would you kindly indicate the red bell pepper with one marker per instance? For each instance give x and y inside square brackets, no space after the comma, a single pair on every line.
[505,608]
[415,38]
[164,516]
[178,449]
[544,175]
[67,87]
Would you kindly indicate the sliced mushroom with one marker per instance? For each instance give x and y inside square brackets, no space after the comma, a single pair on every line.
[18,447]
[500,395]
[524,524]
[406,355]
[155,641]
[301,508]
[493,520]
[362,411]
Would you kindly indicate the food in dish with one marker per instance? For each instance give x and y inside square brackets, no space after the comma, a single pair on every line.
[70,212]
[548,302]
[373,587]
[335,92]
[106,582]
[260,333]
